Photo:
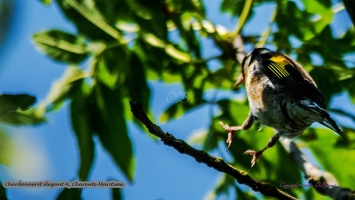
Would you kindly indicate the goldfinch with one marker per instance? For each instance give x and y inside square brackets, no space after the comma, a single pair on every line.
[281,95]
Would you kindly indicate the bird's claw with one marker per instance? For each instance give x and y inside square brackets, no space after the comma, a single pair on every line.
[256,155]
[229,139]
[230,130]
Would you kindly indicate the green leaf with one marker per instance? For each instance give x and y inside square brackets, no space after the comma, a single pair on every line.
[177,54]
[112,67]
[145,9]
[154,41]
[105,73]
[288,11]
[247,195]
[309,194]
[195,6]
[324,15]
[185,24]
[28,117]
[80,111]
[61,89]
[169,48]
[91,21]
[6,149]
[211,139]
[154,59]
[137,86]
[61,46]
[169,77]
[2,192]
[221,79]
[234,7]
[330,85]
[317,7]
[127,26]
[46,2]
[70,194]
[147,17]
[12,103]
[111,128]
[116,193]
[350,5]
[328,153]
[14,109]
[223,185]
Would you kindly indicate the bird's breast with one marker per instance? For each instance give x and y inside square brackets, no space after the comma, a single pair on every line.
[275,106]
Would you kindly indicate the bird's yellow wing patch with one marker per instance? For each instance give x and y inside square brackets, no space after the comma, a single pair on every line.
[277,66]
[280,67]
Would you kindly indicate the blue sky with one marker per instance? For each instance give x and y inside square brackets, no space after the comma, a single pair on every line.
[49,151]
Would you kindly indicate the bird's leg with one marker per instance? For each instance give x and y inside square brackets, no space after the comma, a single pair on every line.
[257,154]
[231,129]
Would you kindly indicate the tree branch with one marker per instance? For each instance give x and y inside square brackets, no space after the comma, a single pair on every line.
[323,182]
[203,157]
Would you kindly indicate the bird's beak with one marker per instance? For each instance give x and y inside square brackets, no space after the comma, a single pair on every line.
[239,81]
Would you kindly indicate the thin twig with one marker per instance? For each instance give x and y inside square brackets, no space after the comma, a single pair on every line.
[323,182]
[203,157]
[243,17]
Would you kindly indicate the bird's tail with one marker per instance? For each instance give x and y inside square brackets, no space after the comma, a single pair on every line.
[327,121]
[330,123]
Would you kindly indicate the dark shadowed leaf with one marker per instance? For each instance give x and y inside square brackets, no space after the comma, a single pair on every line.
[111,128]
[90,21]
[147,17]
[70,194]
[328,86]
[11,103]
[234,7]
[112,67]
[137,82]
[116,193]
[350,8]
[14,109]
[223,185]
[81,111]
[28,117]
[2,192]
[61,46]
[244,195]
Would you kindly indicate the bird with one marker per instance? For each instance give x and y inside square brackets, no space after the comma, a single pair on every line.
[281,95]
